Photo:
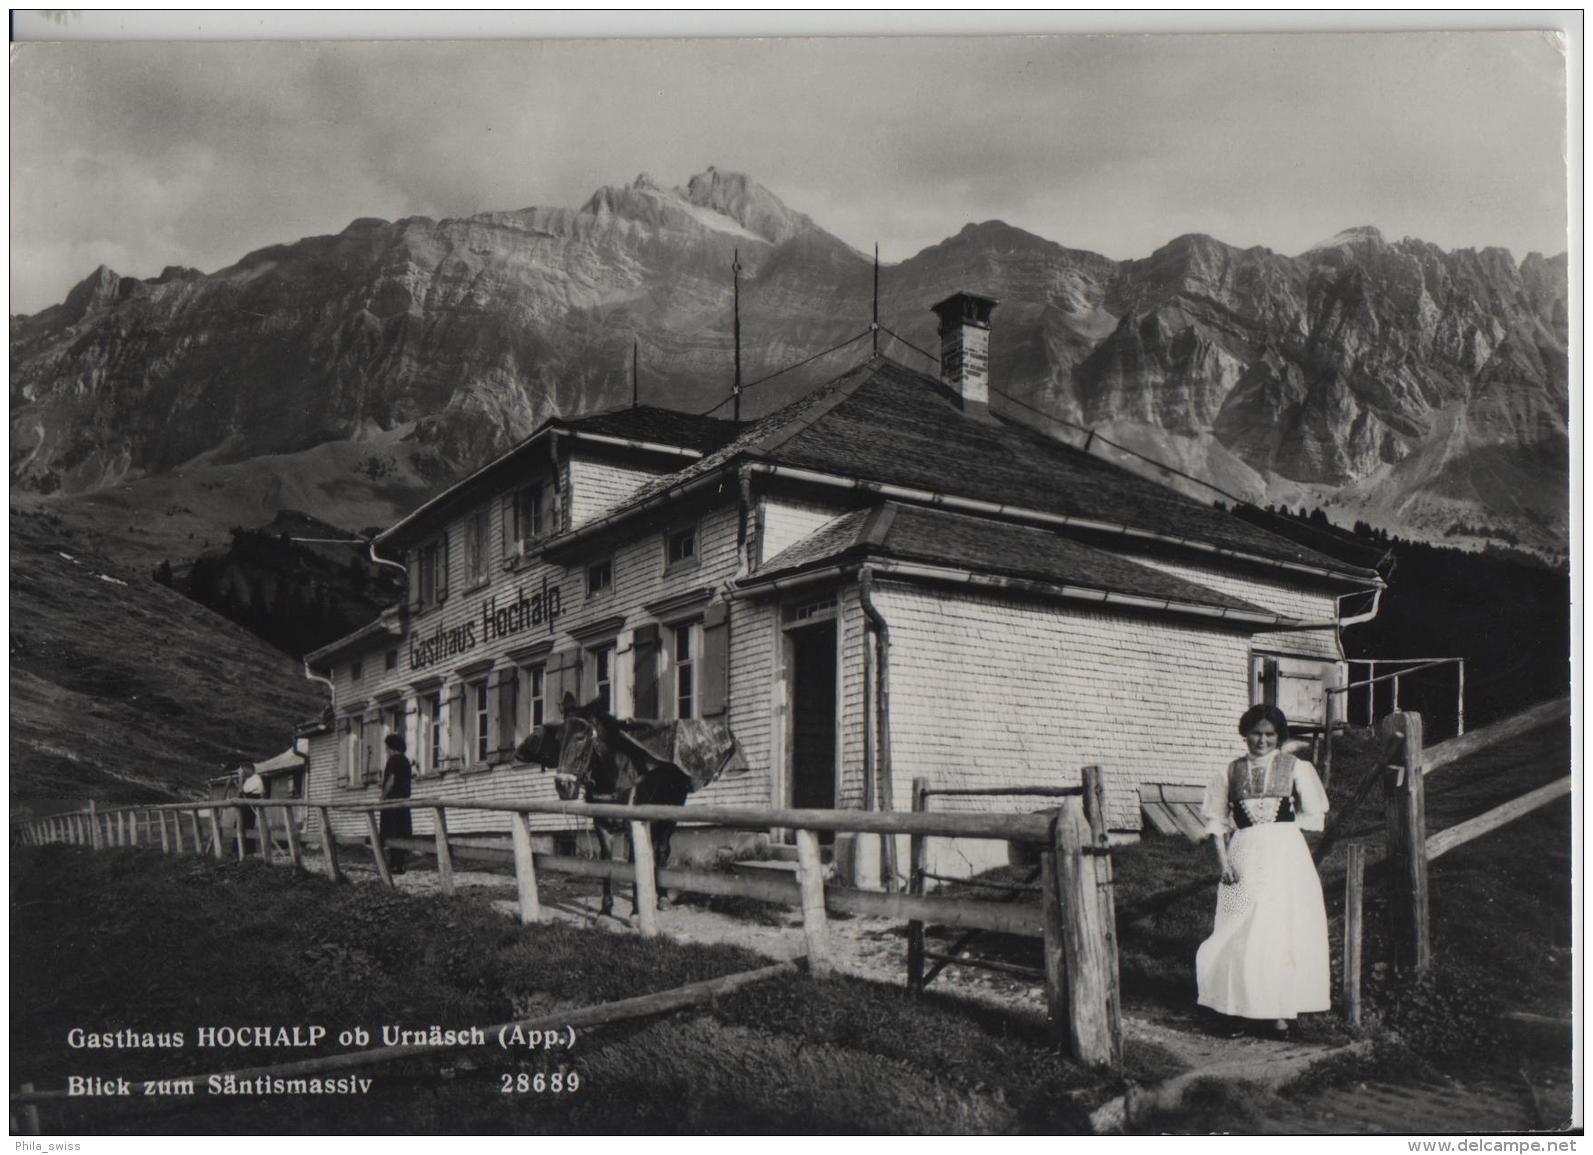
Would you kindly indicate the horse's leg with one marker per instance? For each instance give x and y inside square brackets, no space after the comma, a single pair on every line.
[630,856]
[662,833]
[605,853]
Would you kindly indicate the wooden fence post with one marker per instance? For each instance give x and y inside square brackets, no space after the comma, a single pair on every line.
[815,926]
[295,851]
[165,835]
[329,844]
[1106,893]
[215,835]
[1405,820]
[132,822]
[377,853]
[94,824]
[645,867]
[1095,1037]
[30,1113]
[445,858]
[237,832]
[916,864]
[1354,884]
[525,869]
[262,831]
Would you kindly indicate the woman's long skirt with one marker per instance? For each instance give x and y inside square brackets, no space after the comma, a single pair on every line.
[1267,957]
[395,824]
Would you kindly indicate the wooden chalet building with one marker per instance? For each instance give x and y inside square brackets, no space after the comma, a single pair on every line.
[878,582]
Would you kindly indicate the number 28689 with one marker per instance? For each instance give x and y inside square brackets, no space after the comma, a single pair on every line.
[539,1082]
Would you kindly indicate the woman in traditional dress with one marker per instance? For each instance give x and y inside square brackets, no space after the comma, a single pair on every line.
[1267,957]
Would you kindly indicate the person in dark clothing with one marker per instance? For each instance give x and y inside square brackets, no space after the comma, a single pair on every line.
[252,788]
[396,776]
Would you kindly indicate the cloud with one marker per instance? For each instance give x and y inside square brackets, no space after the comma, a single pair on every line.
[198,153]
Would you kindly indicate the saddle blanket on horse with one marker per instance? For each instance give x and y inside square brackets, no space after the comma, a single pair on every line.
[701,750]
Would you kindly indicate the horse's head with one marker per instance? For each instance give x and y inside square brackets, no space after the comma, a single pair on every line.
[587,759]
[541,745]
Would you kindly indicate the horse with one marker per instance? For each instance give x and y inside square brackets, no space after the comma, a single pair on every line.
[635,762]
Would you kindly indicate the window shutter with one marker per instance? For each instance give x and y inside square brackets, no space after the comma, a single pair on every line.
[645,698]
[506,685]
[371,732]
[454,712]
[506,512]
[414,729]
[715,660]
[442,568]
[563,674]
[412,579]
[345,751]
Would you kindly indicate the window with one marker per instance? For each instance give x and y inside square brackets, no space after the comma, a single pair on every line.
[432,575]
[434,731]
[685,672]
[481,715]
[392,659]
[392,723]
[476,548]
[356,670]
[536,695]
[526,512]
[603,676]
[508,711]
[680,547]
[599,578]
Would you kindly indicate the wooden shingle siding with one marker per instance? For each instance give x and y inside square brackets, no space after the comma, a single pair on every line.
[598,485]
[994,692]
[787,521]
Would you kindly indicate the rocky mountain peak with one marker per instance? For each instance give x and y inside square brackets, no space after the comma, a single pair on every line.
[1421,386]
[748,203]
[103,287]
[1362,236]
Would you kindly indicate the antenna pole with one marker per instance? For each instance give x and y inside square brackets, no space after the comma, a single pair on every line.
[876,299]
[635,373]
[735,271]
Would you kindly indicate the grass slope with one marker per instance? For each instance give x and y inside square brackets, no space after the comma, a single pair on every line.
[130,939]
[178,515]
[124,690]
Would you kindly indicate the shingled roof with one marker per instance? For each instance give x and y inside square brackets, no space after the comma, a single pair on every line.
[653,424]
[955,541]
[886,424]
[645,426]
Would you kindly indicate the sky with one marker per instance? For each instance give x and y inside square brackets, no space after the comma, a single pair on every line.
[143,155]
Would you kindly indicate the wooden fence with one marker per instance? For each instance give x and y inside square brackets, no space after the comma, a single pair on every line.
[1402,768]
[1074,918]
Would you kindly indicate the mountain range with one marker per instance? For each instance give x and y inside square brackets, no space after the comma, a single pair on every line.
[1421,390]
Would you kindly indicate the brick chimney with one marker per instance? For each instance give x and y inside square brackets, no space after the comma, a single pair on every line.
[965,349]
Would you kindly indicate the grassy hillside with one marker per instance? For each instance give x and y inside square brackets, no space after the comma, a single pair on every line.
[179,515]
[124,690]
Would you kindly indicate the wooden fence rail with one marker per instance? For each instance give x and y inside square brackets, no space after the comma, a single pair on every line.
[1075,918]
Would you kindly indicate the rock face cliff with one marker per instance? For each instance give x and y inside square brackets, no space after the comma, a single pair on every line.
[1423,389]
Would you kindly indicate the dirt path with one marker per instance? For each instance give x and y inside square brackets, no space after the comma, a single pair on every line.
[868,948]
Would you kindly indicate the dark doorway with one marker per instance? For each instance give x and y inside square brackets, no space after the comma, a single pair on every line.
[813,717]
